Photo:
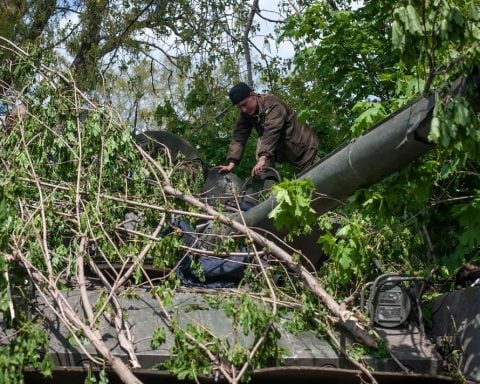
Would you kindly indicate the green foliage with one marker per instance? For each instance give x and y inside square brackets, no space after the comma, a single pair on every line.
[456,126]
[166,291]
[352,67]
[452,359]
[6,216]
[467,240]
[256,319]
[350,75]
[158,338]
[350,248]
[246,314]
[434,33]
[93,379]
[26,348]
[343,59]
[67,167]
[293,210]
[372,113]
[189,359]
[165,253]
[303,319]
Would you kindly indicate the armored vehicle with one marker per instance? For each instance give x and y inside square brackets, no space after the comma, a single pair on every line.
[392,300]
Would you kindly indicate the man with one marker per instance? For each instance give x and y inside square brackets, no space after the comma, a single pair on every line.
[282,137]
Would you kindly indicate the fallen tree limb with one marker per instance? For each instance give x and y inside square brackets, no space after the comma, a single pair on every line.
[345,318]
[118,366]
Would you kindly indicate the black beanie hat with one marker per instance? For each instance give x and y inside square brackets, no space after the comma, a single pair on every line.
[239,92]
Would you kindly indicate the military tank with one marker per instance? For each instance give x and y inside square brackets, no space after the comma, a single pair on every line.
[392,300]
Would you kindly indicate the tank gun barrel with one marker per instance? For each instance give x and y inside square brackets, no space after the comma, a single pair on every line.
[392,144]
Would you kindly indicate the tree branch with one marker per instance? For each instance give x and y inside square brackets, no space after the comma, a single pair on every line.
[246,47]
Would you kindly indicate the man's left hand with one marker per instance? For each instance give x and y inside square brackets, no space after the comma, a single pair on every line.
[258,168]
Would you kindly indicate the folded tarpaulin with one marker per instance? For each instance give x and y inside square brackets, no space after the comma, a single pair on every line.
[208,271]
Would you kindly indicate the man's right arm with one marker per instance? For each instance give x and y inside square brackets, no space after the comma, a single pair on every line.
[226,168]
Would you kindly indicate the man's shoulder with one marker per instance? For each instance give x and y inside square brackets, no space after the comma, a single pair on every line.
[269,100]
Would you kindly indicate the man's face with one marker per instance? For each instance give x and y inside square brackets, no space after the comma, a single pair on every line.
[248,105]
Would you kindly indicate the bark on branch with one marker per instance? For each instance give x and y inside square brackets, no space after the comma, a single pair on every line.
[345,318]
[246,46]
[118,366]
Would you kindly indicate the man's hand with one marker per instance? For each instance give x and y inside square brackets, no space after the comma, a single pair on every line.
[257,169]
[225,168]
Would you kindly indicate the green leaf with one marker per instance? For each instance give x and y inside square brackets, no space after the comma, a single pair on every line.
[46,367]
[373,113]
[461,114]
[434,134]
[345,260]
[398,36]
[293,209]
[475,32]
[343,231]
[474,12]
[412,21]
[158,338]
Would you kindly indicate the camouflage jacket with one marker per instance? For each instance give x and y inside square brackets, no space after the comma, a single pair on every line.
[284,137]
